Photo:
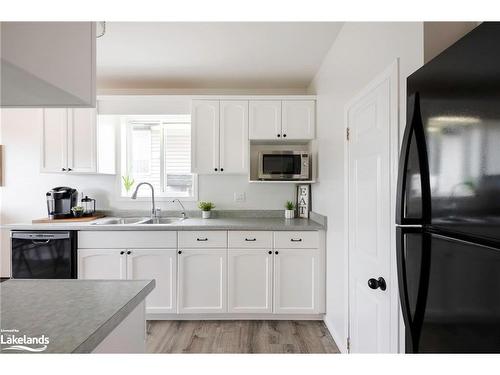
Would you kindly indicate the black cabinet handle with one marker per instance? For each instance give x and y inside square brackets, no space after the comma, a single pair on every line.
[202,239]
[270,252]
[296,240]
[122,252]
[279,135]
[63,169]
[284,135]
[129,252]
[276,252]
[69,169]
[250,239]
[179,252]
[222,169]
[215,169]
[379,283]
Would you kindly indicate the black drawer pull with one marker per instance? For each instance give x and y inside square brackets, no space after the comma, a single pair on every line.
[294,240]
[202,239]
[122,252]
[250,239]
[179,252]
[276,252]
[129,252]
[270,252]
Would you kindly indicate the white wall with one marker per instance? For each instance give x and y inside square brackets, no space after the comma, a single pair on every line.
[23,196]
[360,52]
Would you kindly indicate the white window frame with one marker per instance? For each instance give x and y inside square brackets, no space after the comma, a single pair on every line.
[124,159]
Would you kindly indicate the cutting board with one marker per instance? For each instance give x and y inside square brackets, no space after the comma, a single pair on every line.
[68,220]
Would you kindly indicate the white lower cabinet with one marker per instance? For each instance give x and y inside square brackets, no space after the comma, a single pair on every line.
[250,282]
[202,281]
[103,264]
[161,265]
[296,281]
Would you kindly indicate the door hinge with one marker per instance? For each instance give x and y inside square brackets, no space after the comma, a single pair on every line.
[347,133]
[348,344]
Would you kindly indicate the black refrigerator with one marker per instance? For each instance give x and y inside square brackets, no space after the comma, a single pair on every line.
[448,200]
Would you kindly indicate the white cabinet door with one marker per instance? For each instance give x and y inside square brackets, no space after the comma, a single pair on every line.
[54,140]
[160,265]
[102,264]
[298,122]
[234,136]
[250,281]
[82,140]
[265,119]
[205,136]
[296,281]
[202,281]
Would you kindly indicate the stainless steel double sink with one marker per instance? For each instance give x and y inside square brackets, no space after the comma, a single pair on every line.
[137,220]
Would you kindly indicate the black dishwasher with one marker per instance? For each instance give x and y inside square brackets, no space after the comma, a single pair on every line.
[44,254]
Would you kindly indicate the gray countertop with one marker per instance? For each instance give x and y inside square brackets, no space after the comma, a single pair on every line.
[225,223]
[75,315]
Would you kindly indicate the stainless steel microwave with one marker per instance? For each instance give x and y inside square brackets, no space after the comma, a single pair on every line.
[284,165]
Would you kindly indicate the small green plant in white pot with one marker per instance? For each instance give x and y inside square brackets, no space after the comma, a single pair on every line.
[289,210]
[206,209]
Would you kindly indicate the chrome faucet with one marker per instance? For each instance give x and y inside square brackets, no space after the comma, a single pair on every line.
[134,196]
[183,213]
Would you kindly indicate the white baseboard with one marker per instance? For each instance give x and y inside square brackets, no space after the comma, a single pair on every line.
[340,341]
[229,316]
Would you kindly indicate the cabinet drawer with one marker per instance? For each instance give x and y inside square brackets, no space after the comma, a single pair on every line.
[296,240]
[188,239]
[248,239]
[127,239]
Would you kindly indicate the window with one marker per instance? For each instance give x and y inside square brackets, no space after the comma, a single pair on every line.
[157,149]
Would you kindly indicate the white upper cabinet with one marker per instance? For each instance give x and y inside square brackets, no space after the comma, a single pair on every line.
[265,119]
[54,156]
[219,136]
[234,136]
[205,136]
[82,153]
[298,119]
[282,120]
[70,142]
[48,64]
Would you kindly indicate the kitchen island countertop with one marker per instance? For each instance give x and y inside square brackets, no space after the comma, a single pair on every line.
[74,315]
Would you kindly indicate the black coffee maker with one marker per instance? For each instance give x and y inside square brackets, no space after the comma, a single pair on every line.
[60,201]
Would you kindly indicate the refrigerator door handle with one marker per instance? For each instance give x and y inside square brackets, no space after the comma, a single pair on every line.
[403,289]
[415,129]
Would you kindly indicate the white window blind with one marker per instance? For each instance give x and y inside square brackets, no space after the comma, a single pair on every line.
[159,152]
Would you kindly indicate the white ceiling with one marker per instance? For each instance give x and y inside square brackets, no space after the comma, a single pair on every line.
[166,55]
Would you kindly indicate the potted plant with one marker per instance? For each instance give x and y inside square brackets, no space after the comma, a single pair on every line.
[206,209]
[128,182]
[289,210]
[77,211]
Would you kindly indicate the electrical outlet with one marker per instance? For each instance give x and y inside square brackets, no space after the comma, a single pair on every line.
[239,197]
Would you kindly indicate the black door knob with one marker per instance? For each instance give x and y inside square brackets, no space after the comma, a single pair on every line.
[276,252]
[222,169]
[215,169]
[379,283]
[279,135]
[284,135]
[270,252]
[129,252]
[122,252]
[179,252]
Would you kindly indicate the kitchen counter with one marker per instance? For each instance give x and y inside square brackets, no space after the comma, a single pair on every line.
[75,315]
[226,223]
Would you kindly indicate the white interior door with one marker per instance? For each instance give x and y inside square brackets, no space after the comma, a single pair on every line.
[370,224]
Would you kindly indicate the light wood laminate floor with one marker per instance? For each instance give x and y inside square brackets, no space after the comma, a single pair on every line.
[240,336]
